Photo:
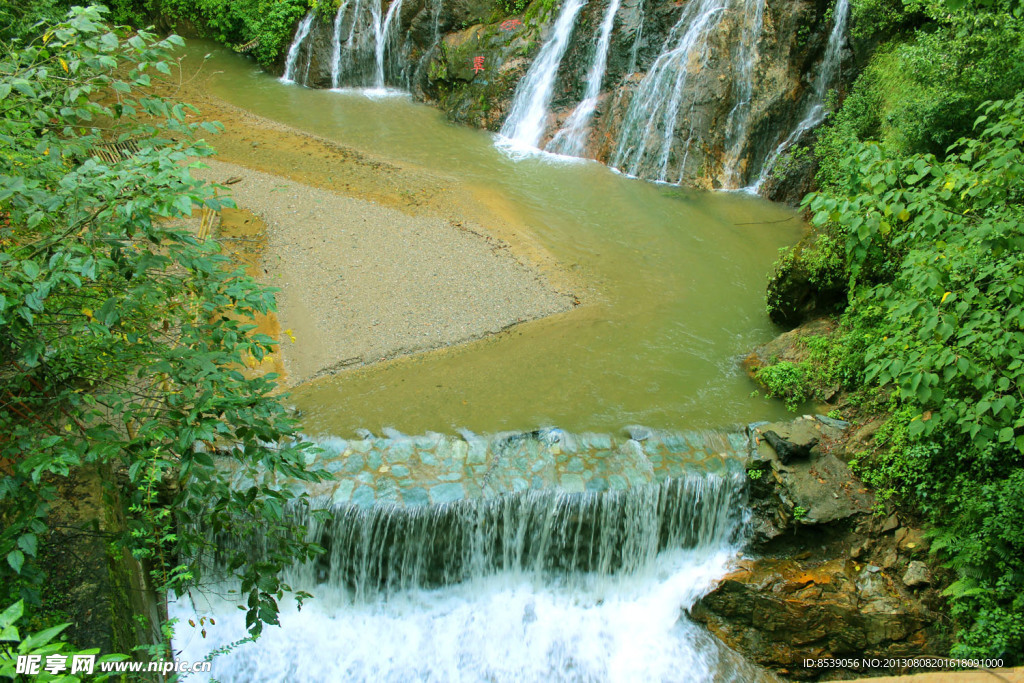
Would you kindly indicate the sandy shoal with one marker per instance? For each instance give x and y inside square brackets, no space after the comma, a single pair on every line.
[363,282]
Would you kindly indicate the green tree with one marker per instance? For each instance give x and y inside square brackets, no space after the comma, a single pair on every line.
[935,252]
[123,335]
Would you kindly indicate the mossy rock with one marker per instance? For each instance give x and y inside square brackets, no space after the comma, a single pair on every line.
[809,281]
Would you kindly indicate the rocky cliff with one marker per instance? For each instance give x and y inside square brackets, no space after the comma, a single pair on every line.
[830,574]
[700,92]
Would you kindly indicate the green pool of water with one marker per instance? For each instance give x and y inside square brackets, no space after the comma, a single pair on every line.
[677,278]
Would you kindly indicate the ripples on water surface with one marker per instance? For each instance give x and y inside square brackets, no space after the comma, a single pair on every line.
[677,277]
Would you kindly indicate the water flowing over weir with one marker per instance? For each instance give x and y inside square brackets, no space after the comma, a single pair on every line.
[511,578]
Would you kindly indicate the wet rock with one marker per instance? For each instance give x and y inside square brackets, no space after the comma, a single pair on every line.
[779,612]
[832,422]
[788,450]
[818,491]
[808,282]
[415,496]
[639,433]
[446,493]
[789,347]
[890,523]
[363,496]
[911,541]
[916,575]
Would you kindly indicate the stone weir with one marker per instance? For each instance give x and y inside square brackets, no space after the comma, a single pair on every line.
[414,511]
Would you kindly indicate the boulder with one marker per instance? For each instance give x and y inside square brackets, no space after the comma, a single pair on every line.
[780,612]
[916,575]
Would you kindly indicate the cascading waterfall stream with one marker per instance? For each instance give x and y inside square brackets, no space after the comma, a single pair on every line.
[525,124]
[571,139]
[638,39]
[647,137]
[295,48]
[828,73]
[536,585]
[382,33]
[360,56]
[738,123]
[336,44]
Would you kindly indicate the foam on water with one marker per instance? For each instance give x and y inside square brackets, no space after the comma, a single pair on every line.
[505,627]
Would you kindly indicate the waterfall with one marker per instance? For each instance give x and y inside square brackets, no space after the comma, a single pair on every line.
[646,140]
[572,138]
[815,111]
[387,549]
[525,124]
[382,32]
[336,44]
[295,47]
[518,584]
[738,124]
[638,39]
[363,44]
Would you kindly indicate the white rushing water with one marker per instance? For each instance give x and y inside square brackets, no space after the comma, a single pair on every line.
[359,56]
[648,135]
[336,44]
[571,139]
[738,124]
[295,48]
[532,586]
[382,31]
[525,124]
[815,112]
[507,627]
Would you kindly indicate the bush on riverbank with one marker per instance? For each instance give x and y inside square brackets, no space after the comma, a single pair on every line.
[926,191]
[122,335]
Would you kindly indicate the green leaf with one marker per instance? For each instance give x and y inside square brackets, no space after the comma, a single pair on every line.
[37,640]
[16,559]
[8,619]
[27,542]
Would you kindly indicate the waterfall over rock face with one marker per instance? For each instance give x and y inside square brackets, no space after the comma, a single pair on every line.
[738,124]
[362,47]
[707,93]
[828,75]
[293,50]
[571,139]
[547,579]
[526,122]
[648,145]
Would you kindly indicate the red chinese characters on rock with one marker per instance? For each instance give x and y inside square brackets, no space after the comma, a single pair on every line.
[510,24]
[478,64]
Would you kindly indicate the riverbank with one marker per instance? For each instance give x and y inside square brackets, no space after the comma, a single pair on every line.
[375,259]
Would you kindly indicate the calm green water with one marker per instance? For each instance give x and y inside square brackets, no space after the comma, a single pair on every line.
[679,280]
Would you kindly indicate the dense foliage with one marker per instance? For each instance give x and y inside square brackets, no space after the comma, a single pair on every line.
[936,322]
[935,253]
[918,232]
[270,23]
[122,335]
[920,89]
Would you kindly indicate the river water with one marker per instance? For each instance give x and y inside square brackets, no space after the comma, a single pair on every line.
[676,281]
